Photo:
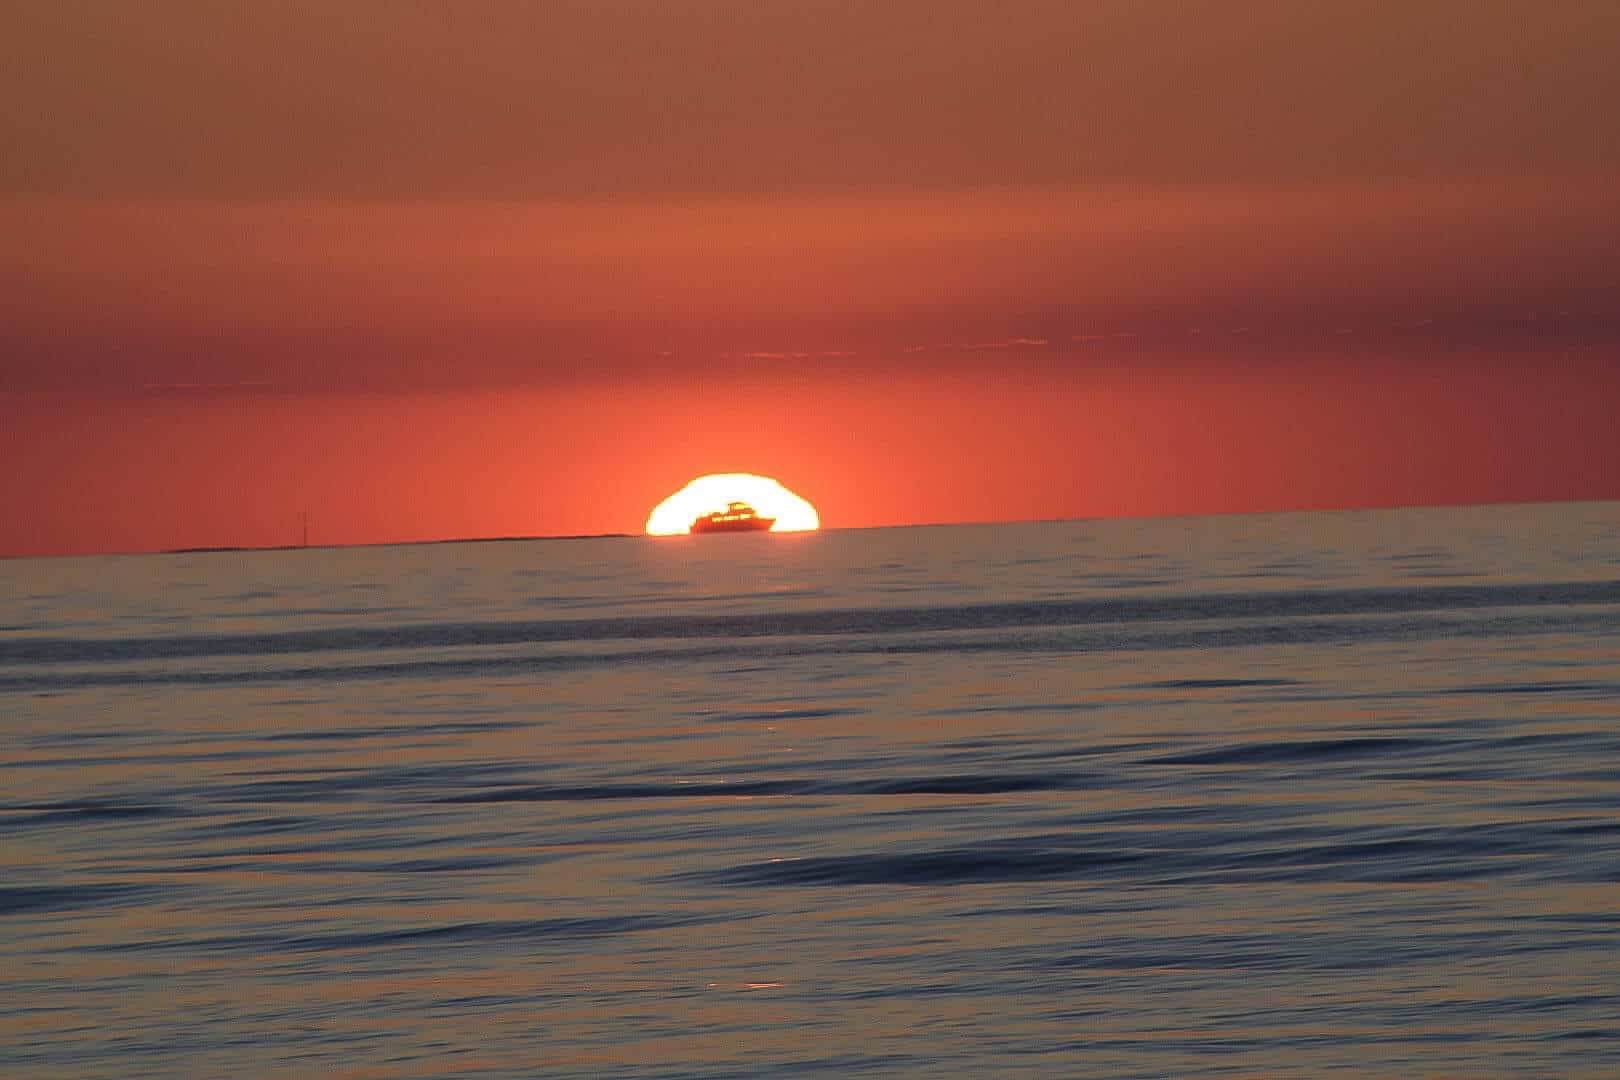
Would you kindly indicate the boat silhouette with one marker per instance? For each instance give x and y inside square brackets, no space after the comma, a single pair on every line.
[736,517]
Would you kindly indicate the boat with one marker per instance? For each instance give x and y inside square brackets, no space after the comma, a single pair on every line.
[737,517]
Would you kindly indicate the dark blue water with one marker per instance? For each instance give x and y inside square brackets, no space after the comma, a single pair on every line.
[1299,795]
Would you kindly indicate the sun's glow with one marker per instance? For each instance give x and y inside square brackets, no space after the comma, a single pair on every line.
[714,492]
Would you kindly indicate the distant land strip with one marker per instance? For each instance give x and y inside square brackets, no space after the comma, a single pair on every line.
[219,549]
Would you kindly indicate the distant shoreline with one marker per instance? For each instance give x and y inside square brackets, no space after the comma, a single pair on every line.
[210,549]
[224,548]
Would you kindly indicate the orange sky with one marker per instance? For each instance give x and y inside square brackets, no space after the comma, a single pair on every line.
[429,271]
[1150,438]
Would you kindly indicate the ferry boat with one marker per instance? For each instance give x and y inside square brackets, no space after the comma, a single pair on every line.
[737,517]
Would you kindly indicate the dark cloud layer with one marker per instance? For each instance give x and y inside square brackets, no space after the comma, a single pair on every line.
[474,99]
[119,296]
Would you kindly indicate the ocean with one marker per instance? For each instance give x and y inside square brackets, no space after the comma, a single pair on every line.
[1318,794]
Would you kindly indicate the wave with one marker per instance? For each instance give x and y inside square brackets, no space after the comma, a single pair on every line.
[1271,605]
[964,784]
[38,899]
[1303,750]
[493,931]
[1543,851]
[1060,638]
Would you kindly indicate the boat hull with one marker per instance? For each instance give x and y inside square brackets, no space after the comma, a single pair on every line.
[757,524]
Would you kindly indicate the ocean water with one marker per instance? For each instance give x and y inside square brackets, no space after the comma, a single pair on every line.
[1286,795]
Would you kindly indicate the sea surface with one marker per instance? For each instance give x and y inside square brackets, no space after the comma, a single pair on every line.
[1331,794]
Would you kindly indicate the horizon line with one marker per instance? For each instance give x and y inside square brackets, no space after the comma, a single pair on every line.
[224,549]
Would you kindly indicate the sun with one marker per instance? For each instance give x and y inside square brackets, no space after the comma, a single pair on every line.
[715,492]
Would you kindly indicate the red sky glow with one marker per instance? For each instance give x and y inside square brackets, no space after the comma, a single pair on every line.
[431,271]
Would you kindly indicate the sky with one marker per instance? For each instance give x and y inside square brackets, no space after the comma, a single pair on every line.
[437,270]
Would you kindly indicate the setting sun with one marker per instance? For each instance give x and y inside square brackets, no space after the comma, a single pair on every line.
[716,493]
